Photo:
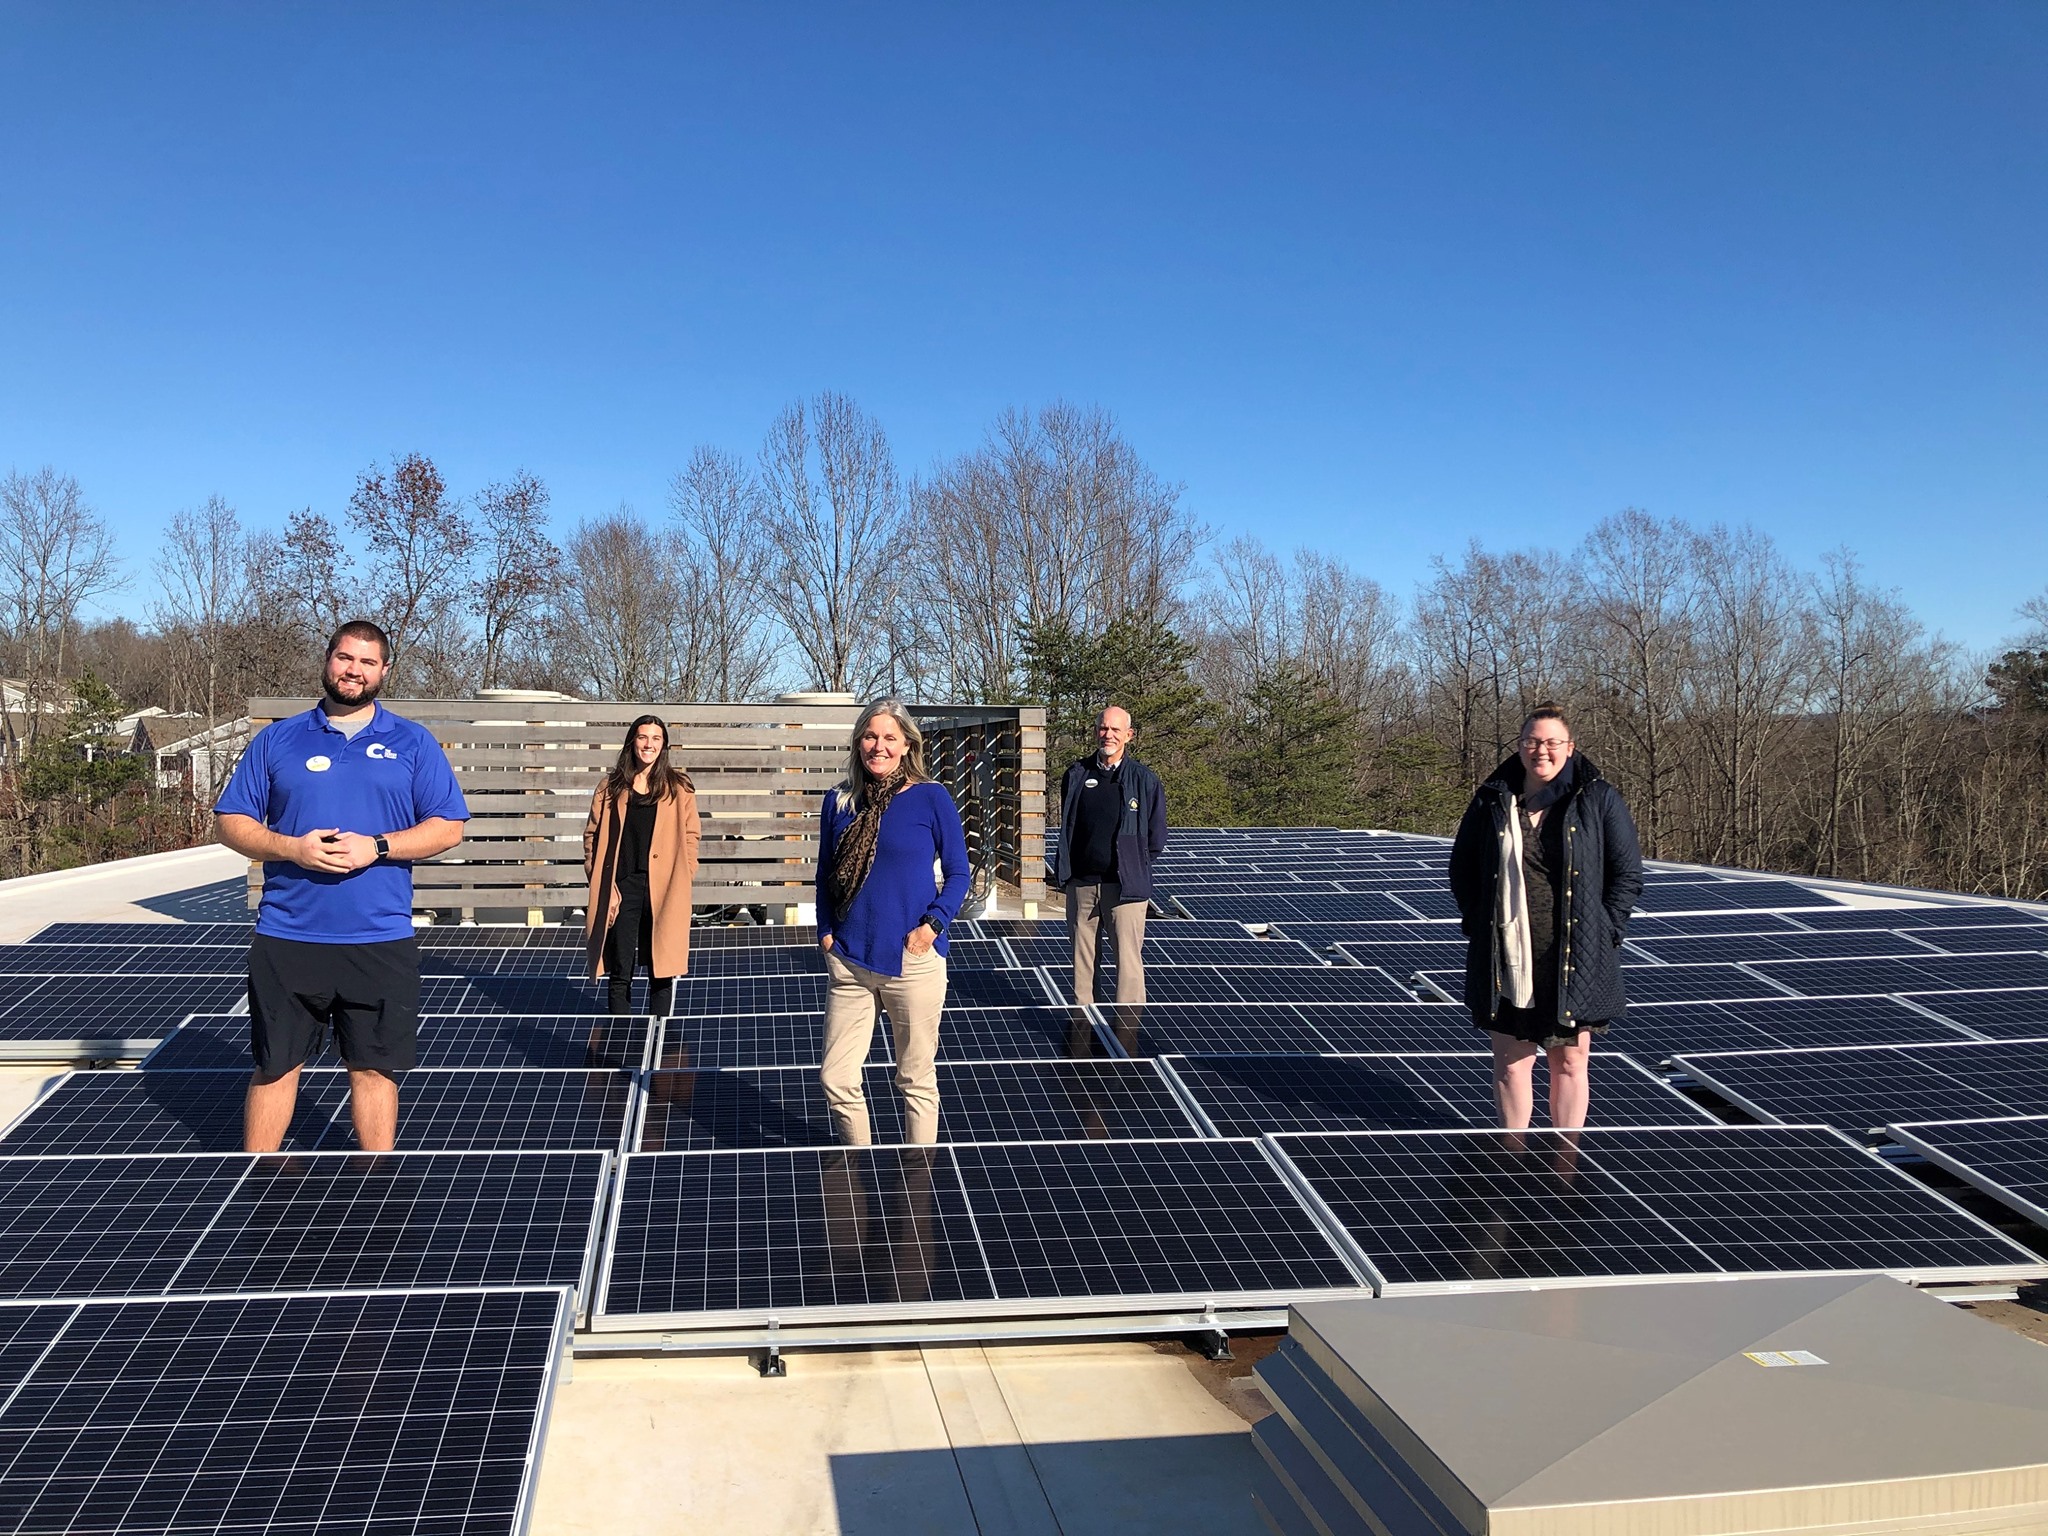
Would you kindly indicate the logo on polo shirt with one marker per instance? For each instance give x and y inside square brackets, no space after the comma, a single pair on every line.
[378,749]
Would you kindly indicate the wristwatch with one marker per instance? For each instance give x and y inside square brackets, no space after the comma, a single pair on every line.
[383,848]
[936,923]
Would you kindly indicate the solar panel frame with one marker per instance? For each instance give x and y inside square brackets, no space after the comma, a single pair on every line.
[1769,1023]
[1971,1079]
[1997,1013]
[185,1376]
[42,1022]
[140,933]
[753,1040]
[1982,1153]
[1562,1188]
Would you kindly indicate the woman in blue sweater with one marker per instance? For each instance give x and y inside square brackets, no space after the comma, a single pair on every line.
[883,915]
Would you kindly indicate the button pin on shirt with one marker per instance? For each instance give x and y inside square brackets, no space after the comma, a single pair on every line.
[319,763]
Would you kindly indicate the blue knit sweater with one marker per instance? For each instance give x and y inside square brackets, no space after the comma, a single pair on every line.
[920,825]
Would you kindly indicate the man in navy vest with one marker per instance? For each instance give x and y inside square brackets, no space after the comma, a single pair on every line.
[338,803]
[1112,826]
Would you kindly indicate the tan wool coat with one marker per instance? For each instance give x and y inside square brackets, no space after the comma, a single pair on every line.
[671,869]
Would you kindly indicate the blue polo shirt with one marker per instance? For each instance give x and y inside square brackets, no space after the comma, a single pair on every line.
[302,773]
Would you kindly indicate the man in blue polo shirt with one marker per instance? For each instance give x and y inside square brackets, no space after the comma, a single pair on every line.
[337,803]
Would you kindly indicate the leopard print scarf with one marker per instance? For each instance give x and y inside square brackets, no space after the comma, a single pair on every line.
[854,858]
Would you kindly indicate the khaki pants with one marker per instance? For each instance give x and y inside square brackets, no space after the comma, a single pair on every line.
[1087,905]
[914,1000]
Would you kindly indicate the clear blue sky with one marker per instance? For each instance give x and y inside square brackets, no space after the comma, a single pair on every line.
[1377,278]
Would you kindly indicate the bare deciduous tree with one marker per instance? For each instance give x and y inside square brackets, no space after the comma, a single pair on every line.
[616,622]
[726,563]
[56,555]
[420,542]
[832,510]
[202,572]
[520,569]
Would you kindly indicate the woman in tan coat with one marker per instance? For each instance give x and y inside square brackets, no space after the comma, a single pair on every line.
[640,852]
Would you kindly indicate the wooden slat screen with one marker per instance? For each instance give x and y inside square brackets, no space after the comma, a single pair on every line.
[528,769]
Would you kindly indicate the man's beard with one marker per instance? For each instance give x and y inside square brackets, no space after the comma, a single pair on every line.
[334,695]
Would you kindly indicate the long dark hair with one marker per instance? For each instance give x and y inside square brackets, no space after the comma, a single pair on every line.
[665,780]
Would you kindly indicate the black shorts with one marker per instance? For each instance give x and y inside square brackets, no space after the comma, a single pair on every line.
[370,993]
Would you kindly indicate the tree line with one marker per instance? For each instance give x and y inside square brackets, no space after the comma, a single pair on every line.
[1756,714]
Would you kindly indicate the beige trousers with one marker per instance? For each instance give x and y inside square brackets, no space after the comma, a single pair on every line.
[1087,905]
[914,1000]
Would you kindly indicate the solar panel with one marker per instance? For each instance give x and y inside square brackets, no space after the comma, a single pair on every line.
[1863,1088]
[1657,1031]
[1329,935]
[1779,946]
[776,960]
[1480,1210]
[1430,903]
[107,1015]
[438,1109]
[1650,983]
[1674,925]
[1351,908]
[1158,1222]
[1156,1029]
[976,955]
[1730,895]
[1270,984]
[1971,941]
[136,933]
[1055,952]
[189,1223]
[1407,957]
[704,936]
[2005,1158]
[418,1412]
[2009,1013]
[793,1234]
[1019,927]
[521,994]
[1244,951]
[978,1101]
[1015,1034]
[1926,973]
[1916,917]
[1251,1095]
[450,937]
[221,1040]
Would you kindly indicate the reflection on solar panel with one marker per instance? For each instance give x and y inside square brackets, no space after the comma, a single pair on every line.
[976,955]
[1155,1029]
[1435,903]
[1250,1095]
[269,1413]
[2006,1158]
[999,989]
[1056,952]
[1015,1034]
[82,1225]
[978,1101]
[221,1040]
[521,994]
[1652,983]
[1657,1031]
[202,1112]
[1354,908]
[1862,1088]
[705,936]
[1972,941]
[1019,927]
[2012,1013]
[1329,935]
[1270,984]
[124,959]
[1778,946]
[810,1235]
[803,1232]
[750,994]
[1447,1210]
[1926,973]
[1650,925]
[1729,895]
[132,934]
[1918,917]
[753,1040]
[106,1015]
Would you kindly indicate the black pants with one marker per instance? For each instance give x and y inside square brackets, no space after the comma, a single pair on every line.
[631,936]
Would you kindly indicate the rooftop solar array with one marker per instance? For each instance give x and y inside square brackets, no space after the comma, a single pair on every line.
[2012,1012]
[221,1040]
[2006,1158]
[1158,1029]
[254,1413]
[1265,984]
[72,1016]
[1658,1031]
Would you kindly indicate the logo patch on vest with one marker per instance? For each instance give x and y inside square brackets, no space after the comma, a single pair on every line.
[319,763]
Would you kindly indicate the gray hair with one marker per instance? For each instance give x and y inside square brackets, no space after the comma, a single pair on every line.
[853,789]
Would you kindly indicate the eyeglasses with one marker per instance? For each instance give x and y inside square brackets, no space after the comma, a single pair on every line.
[1546,743]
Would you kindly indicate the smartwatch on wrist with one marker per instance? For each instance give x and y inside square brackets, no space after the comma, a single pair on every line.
[383,848]
[936,923]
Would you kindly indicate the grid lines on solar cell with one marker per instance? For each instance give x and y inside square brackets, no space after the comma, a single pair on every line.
[1862,1088]
[205,1222]
[124,959]
[1728,895]
[1248,1096]
[1925,973]
[118,1009]
[1435,1209]
[1917,917]
[201,1111]
[1650,925]
[395,1220]
[750,1234]
[1657,1031]
[1407,957]
[1787,946]
[1009,1034]
[155,934]
[521,994]
[1270,984]
[1157,1029]
[2002,1013]
[221,1041]
[2005,1158]
[404,1413]
[754,1040]
[1109,1220]
[1353,907]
